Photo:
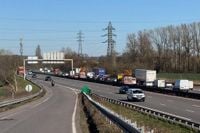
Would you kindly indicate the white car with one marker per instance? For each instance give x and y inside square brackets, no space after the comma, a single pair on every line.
[135,94]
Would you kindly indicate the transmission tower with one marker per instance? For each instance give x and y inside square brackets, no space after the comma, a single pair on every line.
[111,45]
[80,41]
[21,47]
[110,41]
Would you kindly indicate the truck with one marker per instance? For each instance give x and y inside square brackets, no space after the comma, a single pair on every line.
[99,72]
[159,83]
[20,71]
[128,80]
[183,85]
[145,77]
[82,73]
[71,74]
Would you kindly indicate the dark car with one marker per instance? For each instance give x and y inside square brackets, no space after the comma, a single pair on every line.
[47,78]
[34,75]
[123,89]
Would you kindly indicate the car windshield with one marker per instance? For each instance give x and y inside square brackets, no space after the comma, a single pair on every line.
[137,92]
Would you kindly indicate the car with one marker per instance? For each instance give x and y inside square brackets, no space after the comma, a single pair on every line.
[47,78]
[34,75]
[123,89]
[135,94]
[30,72]
[65,74]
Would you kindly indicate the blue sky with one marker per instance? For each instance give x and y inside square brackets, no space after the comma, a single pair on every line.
[55,23]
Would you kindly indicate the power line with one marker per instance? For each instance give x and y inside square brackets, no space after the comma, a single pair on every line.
[96,21]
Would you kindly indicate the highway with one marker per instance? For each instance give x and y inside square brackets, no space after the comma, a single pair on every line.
[53,113]
[184,107]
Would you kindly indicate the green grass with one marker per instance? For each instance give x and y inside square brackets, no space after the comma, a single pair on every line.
[21,83]
[158,125]
[174,76]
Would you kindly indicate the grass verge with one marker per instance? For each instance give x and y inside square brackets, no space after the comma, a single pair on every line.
[149,122]
[21,84]
[93,121]
[5,94]
[173,76]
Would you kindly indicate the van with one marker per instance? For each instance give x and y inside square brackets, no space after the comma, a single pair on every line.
[182,85]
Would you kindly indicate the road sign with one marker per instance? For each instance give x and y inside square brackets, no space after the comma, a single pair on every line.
[33,59]
[28,88]
[53,58]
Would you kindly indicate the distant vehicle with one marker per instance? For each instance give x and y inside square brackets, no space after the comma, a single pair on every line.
[90,75]
[145,77]
[123,89]
[20,71]
[112,80]
[71,73]
[34,75]
[135,94]
[52,83]
[99,71]
[30,72]
[65,74]
[47,78]
[128,80]
[183,85]
[159,83]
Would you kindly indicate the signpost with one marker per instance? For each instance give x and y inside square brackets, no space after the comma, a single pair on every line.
[28,88]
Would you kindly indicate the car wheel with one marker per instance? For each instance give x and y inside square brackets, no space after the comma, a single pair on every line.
[128,98]
[143,99]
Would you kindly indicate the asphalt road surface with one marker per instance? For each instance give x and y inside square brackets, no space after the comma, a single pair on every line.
[53,113]
[183,107]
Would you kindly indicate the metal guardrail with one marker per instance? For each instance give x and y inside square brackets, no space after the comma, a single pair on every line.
[115,118]
[19,100]
[156,113]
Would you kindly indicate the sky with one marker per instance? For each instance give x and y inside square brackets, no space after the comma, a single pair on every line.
[54,24]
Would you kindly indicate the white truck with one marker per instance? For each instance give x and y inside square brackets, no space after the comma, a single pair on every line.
[145,77]
[159,83]
[183,85]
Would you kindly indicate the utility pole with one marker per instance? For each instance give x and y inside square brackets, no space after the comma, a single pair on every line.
[21,47]
[111,44]
[80,40]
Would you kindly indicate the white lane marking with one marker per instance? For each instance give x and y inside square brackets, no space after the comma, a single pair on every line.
[75,108]
[198,106]
[149,96]
[191,111]
[74,115]
[170,100]
[171,96]
[162,104]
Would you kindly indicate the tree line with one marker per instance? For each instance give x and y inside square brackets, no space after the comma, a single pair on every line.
[166,49]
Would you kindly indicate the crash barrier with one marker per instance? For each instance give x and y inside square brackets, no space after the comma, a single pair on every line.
[23,99]
[155,113]
[124,124]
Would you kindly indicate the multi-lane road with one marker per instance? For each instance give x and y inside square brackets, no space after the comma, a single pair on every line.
[55,112]
[183,107]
